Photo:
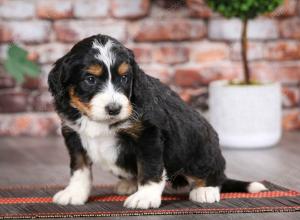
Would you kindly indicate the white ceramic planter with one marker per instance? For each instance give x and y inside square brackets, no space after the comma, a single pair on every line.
[246,116]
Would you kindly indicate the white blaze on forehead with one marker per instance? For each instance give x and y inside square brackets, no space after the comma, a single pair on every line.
[105,54]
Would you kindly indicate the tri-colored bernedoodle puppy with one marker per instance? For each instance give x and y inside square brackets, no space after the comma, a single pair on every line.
[114,114]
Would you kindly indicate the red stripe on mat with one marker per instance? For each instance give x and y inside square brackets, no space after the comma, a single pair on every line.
[115,198]
[156,211]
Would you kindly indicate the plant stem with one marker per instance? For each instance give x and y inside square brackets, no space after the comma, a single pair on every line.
[244,44]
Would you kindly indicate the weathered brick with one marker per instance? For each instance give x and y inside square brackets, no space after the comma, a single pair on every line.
[54,9]
[45,69]
[31,83]
[142,53]
[290,96]
[224,29]
[11,101]
[283,50]
[169,30]
[91,8]
[289,28]
[291,119]
[287,72]
[130,9]
[206,51]
[42,101]
[255,51]
[199,8]
[203,75]
[25,31]
[17,9]
[6,81]
[170,54]
[160,72]
[48,53]
[189,94]
[288,8]
[71,31]
[29,124]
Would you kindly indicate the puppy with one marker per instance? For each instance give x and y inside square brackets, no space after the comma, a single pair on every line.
[114,114]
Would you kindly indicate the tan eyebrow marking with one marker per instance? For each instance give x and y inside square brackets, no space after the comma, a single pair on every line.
[95,69]
[123,68]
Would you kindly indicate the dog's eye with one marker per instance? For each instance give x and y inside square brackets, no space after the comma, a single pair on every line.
[124,79]
[90,80]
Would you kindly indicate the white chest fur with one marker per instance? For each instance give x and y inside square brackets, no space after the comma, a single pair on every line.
[101,144]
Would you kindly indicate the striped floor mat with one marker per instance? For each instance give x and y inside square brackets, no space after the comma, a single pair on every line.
[36,202]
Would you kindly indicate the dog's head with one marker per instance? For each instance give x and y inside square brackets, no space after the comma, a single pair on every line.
[94,79]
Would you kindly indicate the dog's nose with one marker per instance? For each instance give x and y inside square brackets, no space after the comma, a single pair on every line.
[113,108]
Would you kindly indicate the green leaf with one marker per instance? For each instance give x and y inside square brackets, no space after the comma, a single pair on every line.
[17,64]
[17,52]
[14,69]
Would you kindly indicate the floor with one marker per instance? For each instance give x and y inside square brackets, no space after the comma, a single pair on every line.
[40,161]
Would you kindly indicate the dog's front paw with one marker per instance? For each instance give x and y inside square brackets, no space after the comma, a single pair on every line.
[126,187]
[70,196]
[205,194]
[141,200]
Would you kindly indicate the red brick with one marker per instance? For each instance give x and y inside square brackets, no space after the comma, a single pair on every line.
[171,54]
[283,50]
[289,28]
[91,8]
[203,75]
[209,51]
[6,81]
[16,9]
[31,83]
[255,51]
[42,102]
[288,8]
[54,9]
[48,53]
[142,53]
[72,31]
[290,96]
[25,31]
[199,8]
[230,29]
[287,72]
[169,30]
[189,94]
[130,9]
[12,101]
[160,72]
[29,124]
[45,69]
[291,120]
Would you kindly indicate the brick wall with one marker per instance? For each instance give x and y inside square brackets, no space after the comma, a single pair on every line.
[182,43]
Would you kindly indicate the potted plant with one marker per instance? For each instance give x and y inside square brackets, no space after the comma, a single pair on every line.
[246,114]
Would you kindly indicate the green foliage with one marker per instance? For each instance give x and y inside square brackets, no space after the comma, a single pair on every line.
[243,9]
[17,64]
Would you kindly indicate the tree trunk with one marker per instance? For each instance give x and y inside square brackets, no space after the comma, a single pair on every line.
[244,45]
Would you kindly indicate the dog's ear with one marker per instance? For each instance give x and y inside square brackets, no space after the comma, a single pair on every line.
[58,77]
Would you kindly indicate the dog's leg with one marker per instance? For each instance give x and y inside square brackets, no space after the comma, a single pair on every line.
[203,193]
[126,186]
[79,187]
[151,174]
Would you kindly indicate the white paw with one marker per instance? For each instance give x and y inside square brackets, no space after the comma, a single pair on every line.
[141,200]
[70,196]
[126,187]
[205,194]
[255,187]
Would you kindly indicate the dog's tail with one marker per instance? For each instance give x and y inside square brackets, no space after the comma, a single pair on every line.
[231,185]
